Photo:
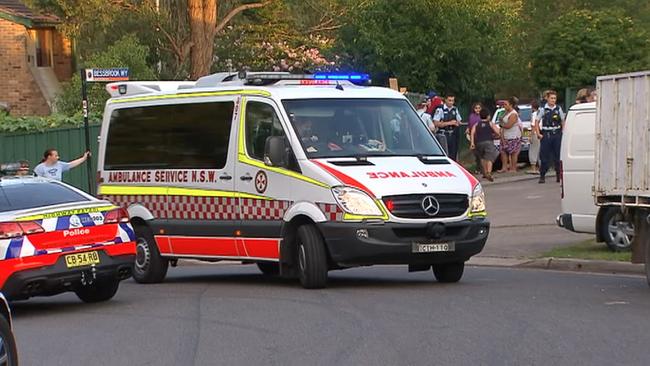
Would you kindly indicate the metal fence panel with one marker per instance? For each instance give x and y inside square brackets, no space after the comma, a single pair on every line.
[69,142]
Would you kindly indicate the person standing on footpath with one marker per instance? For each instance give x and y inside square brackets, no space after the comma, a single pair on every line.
[473,119]
[551,124]
[447,120]
[535,137]
[482,143]
[51,167]
[424,116]
[511,133]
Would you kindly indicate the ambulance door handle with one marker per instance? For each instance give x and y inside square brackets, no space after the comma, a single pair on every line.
[225,177]
[246,178]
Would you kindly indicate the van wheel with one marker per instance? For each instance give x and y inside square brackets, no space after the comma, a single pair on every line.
[98,292]
[448,272]
[269,268]
[149,266]
[312,259]
[617,232]
[8,352]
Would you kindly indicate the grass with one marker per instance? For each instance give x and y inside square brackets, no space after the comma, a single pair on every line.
[589,249]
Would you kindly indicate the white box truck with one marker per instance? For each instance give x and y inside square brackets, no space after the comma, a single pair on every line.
[622,176]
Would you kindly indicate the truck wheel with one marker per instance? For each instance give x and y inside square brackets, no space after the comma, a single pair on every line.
[617,233]
[8,352]
[269,268]
[98,292]
[448,272]
[149,266]
[312,259]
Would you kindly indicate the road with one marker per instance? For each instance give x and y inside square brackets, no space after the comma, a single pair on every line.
[232,315]
[522,215]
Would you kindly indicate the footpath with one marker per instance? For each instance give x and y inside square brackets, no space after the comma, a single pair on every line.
[521,231]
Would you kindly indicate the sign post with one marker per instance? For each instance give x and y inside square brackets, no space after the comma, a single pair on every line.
[90,76]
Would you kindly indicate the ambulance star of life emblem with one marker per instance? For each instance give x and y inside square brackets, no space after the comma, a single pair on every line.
[261,181]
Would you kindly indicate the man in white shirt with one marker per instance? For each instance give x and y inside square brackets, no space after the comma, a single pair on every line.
[51,167]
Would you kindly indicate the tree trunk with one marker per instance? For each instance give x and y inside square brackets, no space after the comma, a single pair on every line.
[203,25]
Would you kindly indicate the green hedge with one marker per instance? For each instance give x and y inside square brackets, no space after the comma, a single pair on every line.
[10,124]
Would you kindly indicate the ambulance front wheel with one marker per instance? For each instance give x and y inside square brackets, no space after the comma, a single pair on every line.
[149,266]
[449,272]
[98,292]
[312,258]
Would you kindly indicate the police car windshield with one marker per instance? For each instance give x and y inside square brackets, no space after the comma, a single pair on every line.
[22,196]
[351,127]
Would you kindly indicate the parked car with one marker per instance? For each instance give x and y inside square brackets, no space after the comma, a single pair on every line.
[579,211]
[56,238]
[8,351]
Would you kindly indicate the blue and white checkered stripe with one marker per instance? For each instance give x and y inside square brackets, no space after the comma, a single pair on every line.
[16,248]
[72,222]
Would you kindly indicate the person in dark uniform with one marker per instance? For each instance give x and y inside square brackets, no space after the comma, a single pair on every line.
[551,125]
[447,119]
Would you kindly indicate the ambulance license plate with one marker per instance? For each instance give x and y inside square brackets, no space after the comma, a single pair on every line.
[434,247]
[81,259]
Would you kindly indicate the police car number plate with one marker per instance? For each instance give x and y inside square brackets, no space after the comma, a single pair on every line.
[434,247]
[81,259]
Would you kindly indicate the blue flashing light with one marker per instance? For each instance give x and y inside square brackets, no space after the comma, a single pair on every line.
[351,77]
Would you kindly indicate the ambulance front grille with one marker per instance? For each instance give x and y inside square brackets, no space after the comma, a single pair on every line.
[410,206]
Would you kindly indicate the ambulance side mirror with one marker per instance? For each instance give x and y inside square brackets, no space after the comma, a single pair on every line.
[275,151]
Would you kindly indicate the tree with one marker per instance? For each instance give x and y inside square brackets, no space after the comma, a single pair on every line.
[204,25]
[582,44]
[461,46]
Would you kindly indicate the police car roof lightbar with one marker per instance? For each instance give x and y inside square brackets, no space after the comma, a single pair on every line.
[309,79]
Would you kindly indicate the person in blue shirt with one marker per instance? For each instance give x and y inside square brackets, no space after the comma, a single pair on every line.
[551,124]
[51,167]
[447,119]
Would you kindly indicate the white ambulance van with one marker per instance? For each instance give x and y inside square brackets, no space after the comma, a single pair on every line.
[300,174]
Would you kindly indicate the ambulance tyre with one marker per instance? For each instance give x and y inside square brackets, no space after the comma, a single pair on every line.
[312,258]
[149,266]
[269,268]
[98,292]
[8,352]
[448,272]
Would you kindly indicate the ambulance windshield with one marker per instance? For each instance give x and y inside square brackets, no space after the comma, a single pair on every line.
[352,127]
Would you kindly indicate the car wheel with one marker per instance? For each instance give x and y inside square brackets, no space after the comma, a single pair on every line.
[617,232]
[269,268]
[8,351]
[448,272]
[312,258]
[98,292]
[149,266]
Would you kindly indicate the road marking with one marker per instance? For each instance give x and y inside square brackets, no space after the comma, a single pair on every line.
[617,303]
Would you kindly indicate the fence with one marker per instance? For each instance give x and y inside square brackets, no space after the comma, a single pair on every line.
[69,142]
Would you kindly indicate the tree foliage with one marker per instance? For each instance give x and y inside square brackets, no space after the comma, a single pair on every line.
[126,52]
[582,44]
[453,45]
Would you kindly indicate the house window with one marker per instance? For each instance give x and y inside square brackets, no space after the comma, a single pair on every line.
[42,40]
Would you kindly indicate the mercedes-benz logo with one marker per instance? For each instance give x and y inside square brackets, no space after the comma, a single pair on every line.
[430,205]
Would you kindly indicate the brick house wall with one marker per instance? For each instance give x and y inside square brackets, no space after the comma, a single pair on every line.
[19,88]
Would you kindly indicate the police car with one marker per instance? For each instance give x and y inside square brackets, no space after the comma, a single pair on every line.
[8,351]
[300,174]
[56,238]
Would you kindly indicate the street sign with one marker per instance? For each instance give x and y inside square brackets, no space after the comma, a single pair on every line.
[112,74]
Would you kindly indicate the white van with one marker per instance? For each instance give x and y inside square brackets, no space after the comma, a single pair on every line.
[300,174]
[580,213]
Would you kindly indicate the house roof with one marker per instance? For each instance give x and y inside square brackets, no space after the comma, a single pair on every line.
[16,11]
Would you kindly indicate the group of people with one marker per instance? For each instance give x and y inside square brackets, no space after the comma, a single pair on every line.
[547,123]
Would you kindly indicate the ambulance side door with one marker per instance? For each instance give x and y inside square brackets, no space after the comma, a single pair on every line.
[263,189]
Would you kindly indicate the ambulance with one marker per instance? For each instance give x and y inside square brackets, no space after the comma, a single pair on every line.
[300,174]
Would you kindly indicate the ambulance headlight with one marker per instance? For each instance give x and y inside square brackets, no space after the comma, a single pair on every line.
[355,201]
[477,204]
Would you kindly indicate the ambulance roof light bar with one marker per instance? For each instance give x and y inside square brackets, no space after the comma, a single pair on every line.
[129,88]
[305,79]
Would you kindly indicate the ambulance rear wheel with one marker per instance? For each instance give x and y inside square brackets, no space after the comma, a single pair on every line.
[149,266]
[449,272]
[312,258]
[98,292]
[269,268]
